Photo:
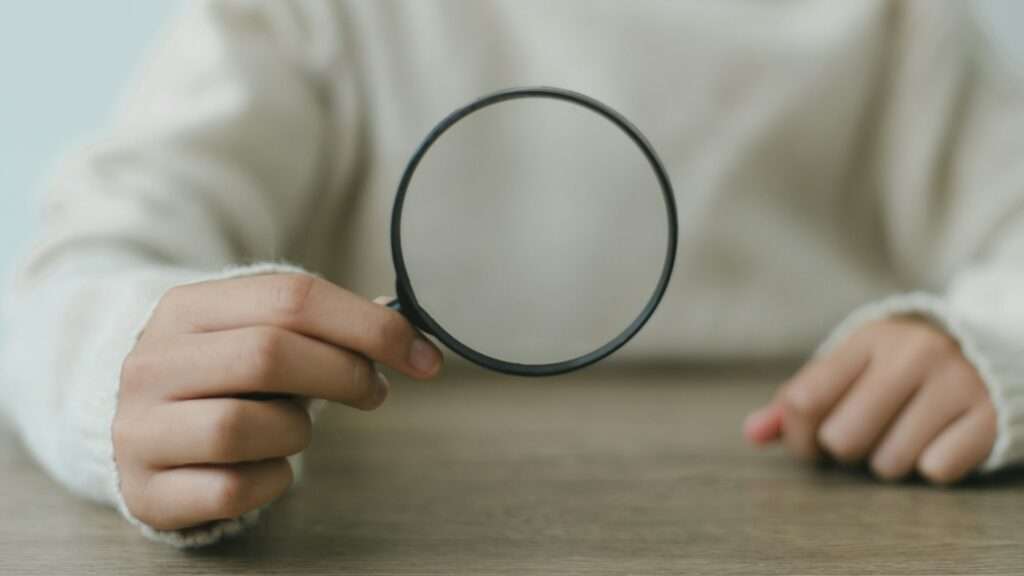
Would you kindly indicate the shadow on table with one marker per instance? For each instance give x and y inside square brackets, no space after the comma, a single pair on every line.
[1003,479]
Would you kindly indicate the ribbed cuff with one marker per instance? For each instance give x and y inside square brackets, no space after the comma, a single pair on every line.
[999,361]
[214,531]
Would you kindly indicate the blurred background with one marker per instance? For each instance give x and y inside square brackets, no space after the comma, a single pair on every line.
[64,63]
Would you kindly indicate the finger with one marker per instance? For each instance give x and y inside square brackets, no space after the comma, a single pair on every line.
[305,304]
[815,389]
[222,431]
[961,447]
[260,360]
[942,399]
[185,497]
[862,416]
[764,425]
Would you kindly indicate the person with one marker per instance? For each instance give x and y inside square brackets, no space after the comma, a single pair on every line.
[848,177]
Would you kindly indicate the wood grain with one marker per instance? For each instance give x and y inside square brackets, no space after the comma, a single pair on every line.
[610,471]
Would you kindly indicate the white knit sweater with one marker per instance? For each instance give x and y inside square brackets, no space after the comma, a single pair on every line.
[831,159]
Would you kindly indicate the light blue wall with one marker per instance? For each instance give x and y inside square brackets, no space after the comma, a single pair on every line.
[61,65]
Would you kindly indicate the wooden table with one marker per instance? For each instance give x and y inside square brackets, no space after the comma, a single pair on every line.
[609,471]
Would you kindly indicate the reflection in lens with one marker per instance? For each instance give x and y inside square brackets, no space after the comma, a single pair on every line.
[534,231]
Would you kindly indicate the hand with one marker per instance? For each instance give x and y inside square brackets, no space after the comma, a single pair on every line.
[209,406]
[897,393]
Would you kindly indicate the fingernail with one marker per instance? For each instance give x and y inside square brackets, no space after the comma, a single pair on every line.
[763,425]
[750,424]
[383,387]
[752,427]
[423,356]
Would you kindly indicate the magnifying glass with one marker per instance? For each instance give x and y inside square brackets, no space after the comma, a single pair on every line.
[534,232]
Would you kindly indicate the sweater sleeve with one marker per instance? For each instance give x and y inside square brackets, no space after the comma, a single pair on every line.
[213,159]
[951,179]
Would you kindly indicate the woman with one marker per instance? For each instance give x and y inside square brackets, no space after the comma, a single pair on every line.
[875,146]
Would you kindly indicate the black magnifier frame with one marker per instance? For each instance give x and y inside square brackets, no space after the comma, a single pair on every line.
[409,306]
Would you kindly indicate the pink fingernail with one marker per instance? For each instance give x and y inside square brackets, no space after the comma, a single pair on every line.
[763,425]
[423,356]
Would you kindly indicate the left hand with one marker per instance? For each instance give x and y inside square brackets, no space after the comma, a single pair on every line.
[898,394]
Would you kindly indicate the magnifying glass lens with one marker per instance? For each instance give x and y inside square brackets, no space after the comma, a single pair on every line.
[534,231]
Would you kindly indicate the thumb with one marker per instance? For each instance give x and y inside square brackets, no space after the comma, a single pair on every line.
[764,425]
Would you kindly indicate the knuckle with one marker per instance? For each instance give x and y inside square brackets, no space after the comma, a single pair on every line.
[172,298]
[947,389]
[168,310]
[886,469]
[143,510]
[137,370]
[290,295]
[228,494]
[264,353]
[961,377]
[140,507]
[863,337]
[226,430]
[797,402]
[937,471]
[122,435]
[142,513]
[139,500]
[839,446]
[392,329]
[926,344]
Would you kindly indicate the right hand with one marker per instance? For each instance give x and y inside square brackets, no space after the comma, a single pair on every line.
[193,441]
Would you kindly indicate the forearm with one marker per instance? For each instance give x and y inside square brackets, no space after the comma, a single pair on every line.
[67,327]
[70,327]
